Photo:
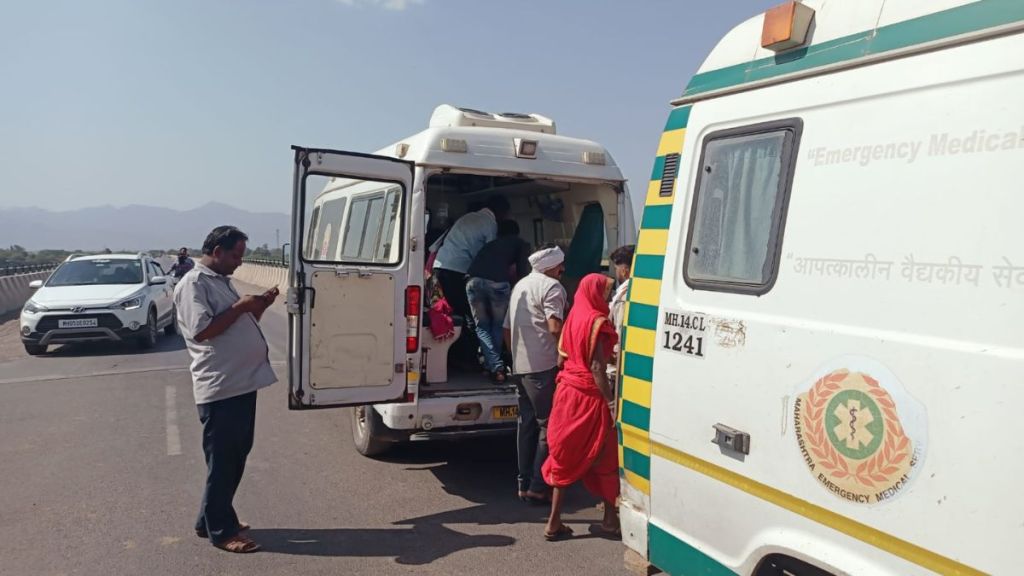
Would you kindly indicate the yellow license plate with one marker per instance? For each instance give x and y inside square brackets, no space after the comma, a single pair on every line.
[505,412]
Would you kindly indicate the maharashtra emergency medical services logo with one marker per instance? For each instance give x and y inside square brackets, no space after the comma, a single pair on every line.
[850,430]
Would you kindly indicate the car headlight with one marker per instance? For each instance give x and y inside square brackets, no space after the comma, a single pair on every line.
[33,308]
[129,304]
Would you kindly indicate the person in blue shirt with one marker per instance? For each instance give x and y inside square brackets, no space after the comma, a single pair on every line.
[183,265]
[459,246]
[498,265]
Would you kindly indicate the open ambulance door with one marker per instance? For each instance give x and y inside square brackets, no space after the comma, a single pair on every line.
[347,290]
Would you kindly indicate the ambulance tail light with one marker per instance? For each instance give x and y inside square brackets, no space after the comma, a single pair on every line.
[413,305]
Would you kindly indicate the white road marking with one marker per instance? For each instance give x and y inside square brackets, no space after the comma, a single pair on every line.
[173,435]
[57,377]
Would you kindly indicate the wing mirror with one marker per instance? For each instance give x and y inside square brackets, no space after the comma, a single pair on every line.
[35,284]
[158,280]
[285,254]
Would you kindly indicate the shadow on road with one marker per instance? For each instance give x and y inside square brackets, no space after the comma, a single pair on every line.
[416,545]
[481,471]
[163,344]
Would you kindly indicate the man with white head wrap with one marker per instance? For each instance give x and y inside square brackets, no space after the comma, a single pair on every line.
[546,259]
[534,321]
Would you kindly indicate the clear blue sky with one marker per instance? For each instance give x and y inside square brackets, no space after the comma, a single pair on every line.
[179,102]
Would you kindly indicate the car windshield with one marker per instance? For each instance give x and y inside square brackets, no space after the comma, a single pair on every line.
[92,272]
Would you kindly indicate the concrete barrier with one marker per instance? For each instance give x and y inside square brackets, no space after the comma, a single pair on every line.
[14,290]
[262,275]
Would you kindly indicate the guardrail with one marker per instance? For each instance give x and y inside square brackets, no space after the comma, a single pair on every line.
[262,273]
[265,262]
[27,268]
[14,290]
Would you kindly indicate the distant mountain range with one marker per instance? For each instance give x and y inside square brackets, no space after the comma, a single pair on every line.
[133,227]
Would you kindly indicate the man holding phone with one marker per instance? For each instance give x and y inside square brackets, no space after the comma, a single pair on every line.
[230,363]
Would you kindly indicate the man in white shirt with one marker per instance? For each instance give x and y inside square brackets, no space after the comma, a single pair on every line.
[229,364]
[622,259]
[532,326]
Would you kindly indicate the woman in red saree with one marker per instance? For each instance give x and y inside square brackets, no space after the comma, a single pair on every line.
[581,434]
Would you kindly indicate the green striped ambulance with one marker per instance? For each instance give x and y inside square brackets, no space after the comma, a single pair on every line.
[823,367]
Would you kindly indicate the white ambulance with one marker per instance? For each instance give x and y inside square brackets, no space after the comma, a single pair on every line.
[824,363]
[363,224]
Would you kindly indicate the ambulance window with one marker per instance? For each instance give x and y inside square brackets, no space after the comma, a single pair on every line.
[739,207]
[313,231]
[384,246]
[354,221]
[355,229]
[371,227]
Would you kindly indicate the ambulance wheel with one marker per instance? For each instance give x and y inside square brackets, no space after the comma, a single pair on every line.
[367,430]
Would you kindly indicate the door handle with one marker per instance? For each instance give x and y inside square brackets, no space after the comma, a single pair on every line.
[729,438]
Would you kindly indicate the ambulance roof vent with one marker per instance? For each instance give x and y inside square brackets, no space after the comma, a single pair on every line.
[447,116]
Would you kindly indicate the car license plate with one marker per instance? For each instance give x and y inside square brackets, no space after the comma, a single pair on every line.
[504,412]
[78,323]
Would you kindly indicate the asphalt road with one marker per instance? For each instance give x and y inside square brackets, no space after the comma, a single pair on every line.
[101,472]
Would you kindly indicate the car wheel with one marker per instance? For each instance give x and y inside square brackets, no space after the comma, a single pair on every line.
[148,338]
[35,349]
[172,328]
[367,426]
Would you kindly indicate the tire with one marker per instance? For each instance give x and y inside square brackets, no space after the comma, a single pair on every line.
[172,328]
[35,349]
[148,339]
[367,426]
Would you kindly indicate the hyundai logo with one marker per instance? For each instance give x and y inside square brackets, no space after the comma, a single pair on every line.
[77,309]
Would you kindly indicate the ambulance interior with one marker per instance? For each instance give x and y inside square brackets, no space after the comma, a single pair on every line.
[581,218]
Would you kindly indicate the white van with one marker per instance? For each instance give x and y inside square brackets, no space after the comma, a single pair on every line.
[824,364]
[363,224]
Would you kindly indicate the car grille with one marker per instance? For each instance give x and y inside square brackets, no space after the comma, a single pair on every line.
[48,323]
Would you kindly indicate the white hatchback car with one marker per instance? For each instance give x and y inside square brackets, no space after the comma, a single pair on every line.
[102,297]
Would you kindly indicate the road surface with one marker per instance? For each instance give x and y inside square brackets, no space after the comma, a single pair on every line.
[102,473]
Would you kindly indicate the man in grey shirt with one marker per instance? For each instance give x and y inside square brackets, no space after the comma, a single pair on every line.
[534,321]
[229,364]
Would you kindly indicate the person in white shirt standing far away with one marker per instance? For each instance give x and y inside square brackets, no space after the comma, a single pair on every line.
[229,364]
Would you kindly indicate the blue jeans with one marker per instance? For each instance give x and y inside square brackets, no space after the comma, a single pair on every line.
[488,302]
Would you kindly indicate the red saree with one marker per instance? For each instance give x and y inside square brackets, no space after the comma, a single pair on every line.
[581,435]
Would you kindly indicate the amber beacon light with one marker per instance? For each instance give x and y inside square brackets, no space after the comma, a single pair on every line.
[786,26]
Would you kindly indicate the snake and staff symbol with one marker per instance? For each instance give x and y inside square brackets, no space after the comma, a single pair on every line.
[852,437]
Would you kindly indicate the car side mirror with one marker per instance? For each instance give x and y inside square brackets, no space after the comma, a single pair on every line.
[158,280]
[35,284]
[285,254]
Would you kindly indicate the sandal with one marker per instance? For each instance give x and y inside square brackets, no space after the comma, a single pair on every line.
[239,545]
[242,527]
[614,532]
[562,533]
